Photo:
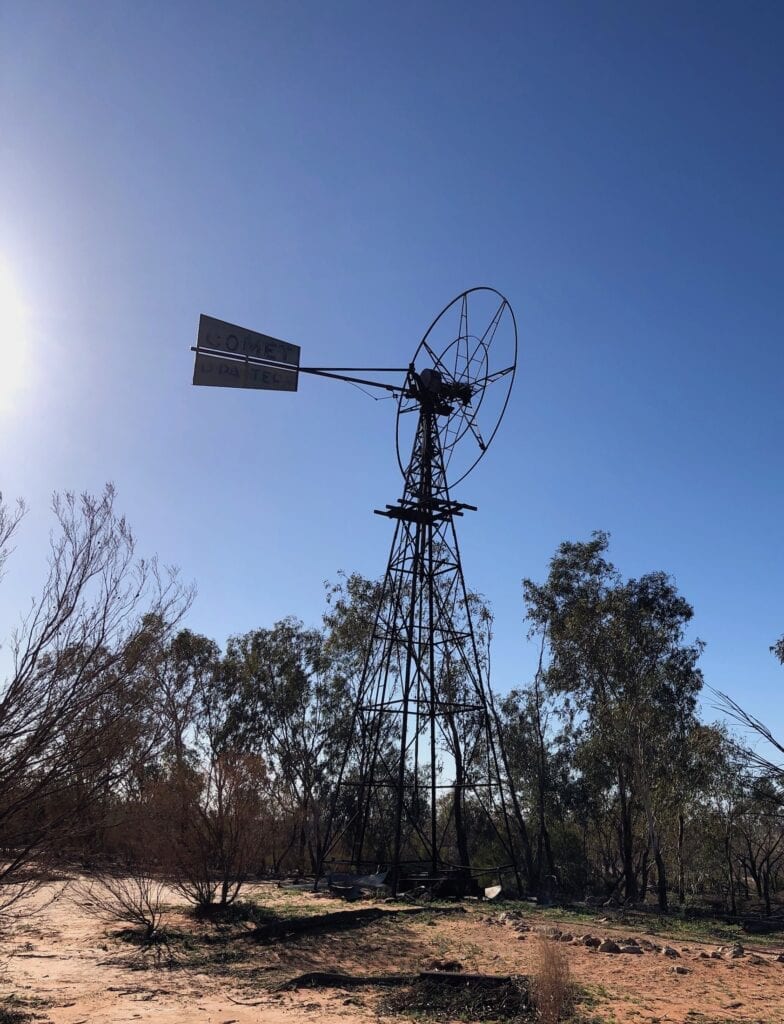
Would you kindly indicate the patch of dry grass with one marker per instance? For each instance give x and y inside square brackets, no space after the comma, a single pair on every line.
[551,990]
[425,999]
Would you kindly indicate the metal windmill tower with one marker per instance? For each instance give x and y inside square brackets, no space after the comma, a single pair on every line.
[423,769]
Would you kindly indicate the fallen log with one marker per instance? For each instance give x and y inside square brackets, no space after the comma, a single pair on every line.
[334,979]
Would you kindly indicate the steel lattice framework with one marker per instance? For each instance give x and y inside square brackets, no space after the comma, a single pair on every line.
[425,754]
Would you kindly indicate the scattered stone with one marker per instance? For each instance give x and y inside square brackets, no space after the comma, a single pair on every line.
[592,941]
[566,937]
[756,960]
[552,933]
[670,952]
[651,947]
[631,949]
[704,956]
[679,969]
[510,917]
[736,951]
[608,946]
[716,955]
[779,959]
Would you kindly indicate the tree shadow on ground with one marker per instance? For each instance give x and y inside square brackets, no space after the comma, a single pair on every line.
[339,921]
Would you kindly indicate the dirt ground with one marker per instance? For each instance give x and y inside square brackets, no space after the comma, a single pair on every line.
[67,967]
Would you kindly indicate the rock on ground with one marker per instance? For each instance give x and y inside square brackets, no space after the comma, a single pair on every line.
[608,946]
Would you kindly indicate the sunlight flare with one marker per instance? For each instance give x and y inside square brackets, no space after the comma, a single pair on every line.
[14,338]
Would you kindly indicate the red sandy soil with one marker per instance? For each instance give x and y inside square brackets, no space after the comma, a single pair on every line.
[70,968]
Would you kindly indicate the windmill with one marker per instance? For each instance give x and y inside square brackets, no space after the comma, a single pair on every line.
[423,767]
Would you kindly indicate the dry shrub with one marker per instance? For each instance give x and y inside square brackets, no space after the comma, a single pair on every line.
[135,899]
[551,990]
[211,826]
[74,693]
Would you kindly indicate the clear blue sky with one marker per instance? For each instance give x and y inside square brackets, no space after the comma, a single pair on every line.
[333,174]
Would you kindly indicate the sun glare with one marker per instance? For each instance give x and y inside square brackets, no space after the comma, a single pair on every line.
[14,338]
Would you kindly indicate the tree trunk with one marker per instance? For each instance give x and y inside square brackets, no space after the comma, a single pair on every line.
[516,809]
[751,866]
[302,841]
[653,839]
[536,881]
[644,873]
[541,783]
[681,869]
[626,836]
[730,873]
[460,829]
[661,879]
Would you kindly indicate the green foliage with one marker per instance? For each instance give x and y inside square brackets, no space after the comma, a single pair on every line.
[606,729]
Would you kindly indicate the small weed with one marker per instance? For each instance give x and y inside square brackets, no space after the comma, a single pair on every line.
[587,1008]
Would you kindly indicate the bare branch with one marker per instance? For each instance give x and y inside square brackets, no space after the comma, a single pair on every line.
[9,521]
[750,722]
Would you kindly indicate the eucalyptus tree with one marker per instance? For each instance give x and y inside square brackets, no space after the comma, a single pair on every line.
[760,835]
[201,814]
[288,705]
[618,650]
[536,727]
[701,766]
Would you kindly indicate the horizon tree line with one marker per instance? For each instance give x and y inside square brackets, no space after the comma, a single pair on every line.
[130,743]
